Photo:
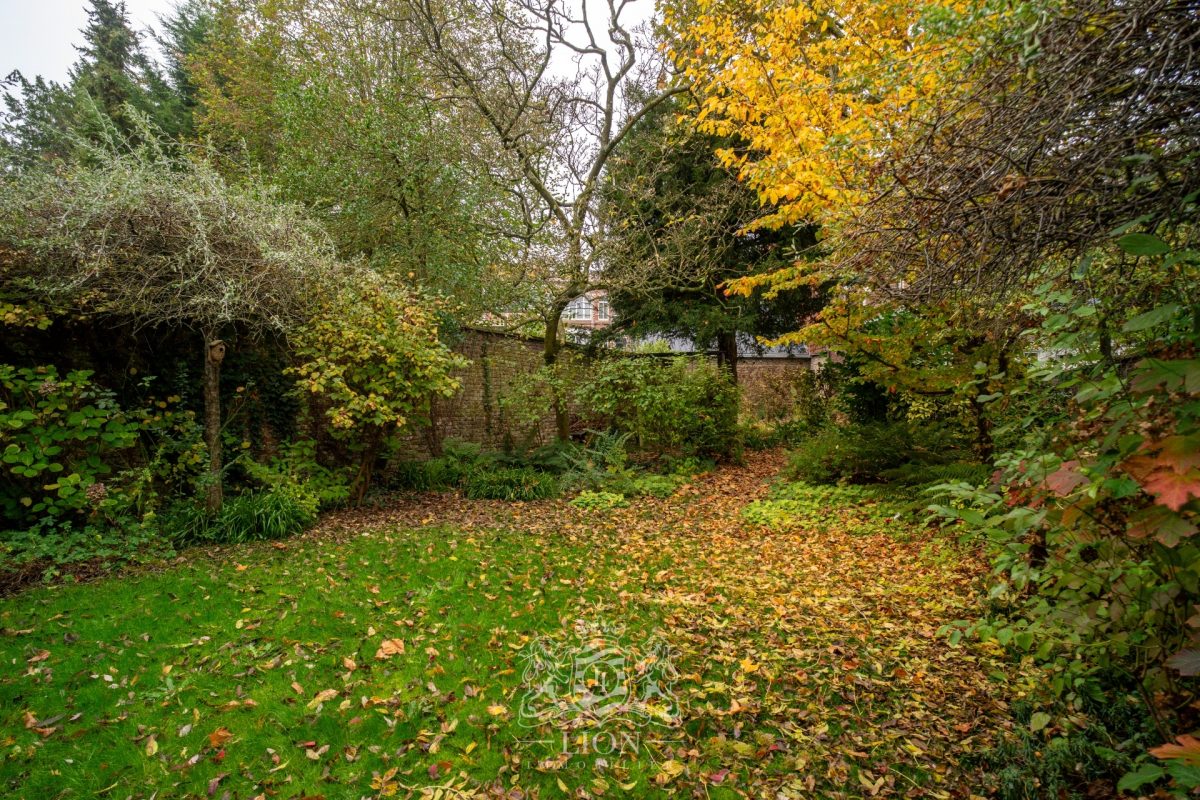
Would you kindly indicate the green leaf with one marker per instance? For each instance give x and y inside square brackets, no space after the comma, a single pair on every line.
[1146,773]
[1143,244]
[1151,318]
[1039,721]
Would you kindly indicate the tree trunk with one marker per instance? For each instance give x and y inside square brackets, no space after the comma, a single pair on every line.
[727,354]
[214,353]
[550,348]
[984,446]
[366,467]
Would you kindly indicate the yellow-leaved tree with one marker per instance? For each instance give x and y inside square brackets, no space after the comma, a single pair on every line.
[817,92]
[823,98]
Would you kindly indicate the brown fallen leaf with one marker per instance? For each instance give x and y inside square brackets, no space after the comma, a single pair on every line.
[389,648]
[219,737]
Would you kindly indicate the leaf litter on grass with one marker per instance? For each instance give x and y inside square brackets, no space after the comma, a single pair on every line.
[381,655]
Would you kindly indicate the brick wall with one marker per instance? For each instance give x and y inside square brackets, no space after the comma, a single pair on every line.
[474,413]
[769,386]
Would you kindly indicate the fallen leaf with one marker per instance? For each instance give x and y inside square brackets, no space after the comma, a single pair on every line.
[219,737]
[323,697]
[389,648]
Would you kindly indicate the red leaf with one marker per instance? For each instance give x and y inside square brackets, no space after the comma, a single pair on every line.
[1187,751]
[1181,452]
[1066,480]
[1171,489]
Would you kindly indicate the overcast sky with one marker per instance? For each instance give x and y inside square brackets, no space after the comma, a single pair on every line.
[37,36]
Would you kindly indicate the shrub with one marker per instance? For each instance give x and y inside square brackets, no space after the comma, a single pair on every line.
[81,477]
[765,435]
[1023,765]
[63,436]
[510,483]
[53,544]
[372,354]
[297,465]
[437,474]
[599,501]
[925,475]
[688,466]
[448,471]
[277,513]
[867,452]
[683,406]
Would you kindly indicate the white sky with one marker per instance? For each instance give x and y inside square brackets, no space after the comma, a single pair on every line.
[37,36]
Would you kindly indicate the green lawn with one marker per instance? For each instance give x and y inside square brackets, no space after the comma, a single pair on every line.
[804,661]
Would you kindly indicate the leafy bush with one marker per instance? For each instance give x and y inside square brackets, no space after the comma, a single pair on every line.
[297,465]
[1029,764]
[50,546]
[599,501]
[280,512]
[423,476]
[373,355]
[81,477]
[683,406]
[926,475]
[1092,522]
[448,471]
[63,435]
[510,483]
[766,435]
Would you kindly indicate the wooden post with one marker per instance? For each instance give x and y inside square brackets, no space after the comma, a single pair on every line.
[214,354]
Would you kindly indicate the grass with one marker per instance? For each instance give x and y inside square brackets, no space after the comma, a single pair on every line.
[806,660]
[141,672]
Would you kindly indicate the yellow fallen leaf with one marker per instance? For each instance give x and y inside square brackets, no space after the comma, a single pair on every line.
[497,710]
[151,746]
[323,696]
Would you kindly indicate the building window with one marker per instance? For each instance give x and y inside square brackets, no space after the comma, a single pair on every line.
[603,311]
[578,309]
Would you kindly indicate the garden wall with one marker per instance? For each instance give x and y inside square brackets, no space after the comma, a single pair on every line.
[474,413]
[770,386]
